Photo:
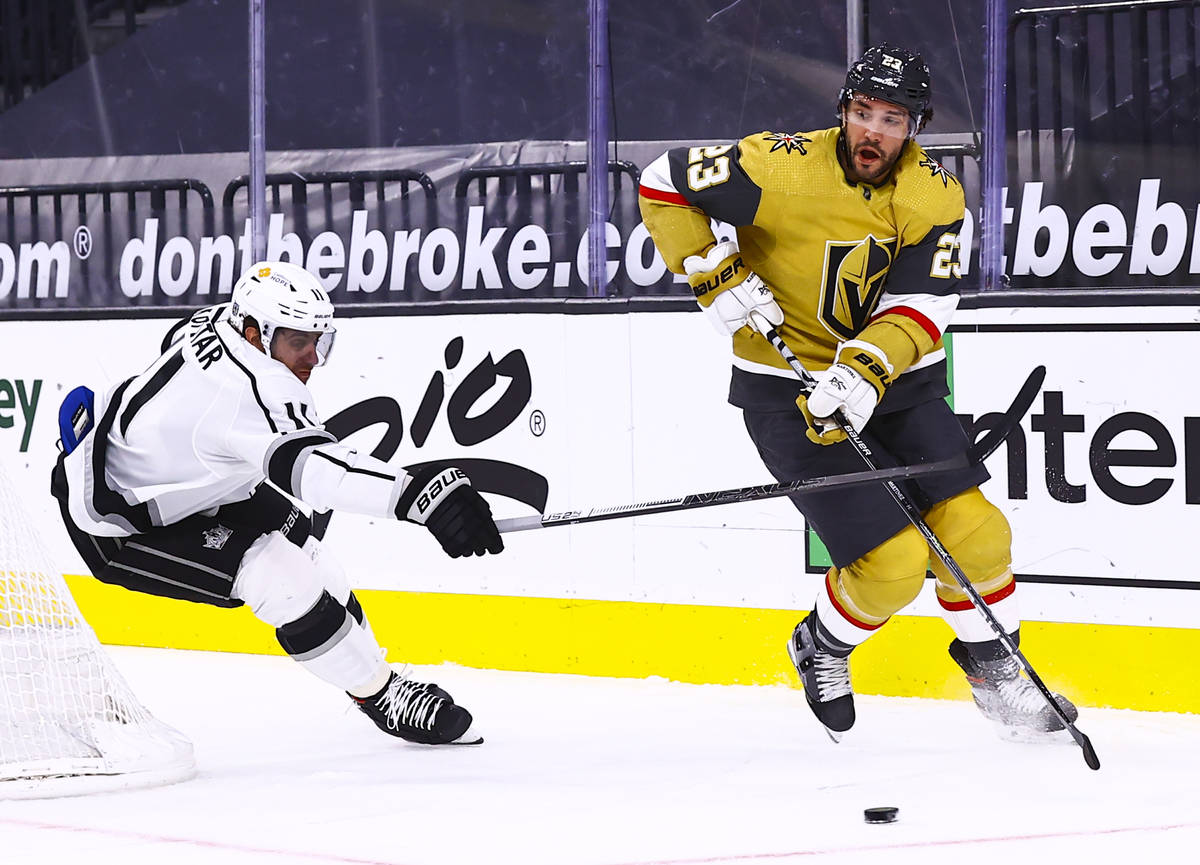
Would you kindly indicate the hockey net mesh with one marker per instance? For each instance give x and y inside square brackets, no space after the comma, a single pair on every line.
[68,721]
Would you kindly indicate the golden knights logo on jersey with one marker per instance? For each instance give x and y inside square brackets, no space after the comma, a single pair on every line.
[937,170]
[790,143]
[854,273]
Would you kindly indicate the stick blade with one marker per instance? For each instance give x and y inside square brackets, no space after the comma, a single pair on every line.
[1089,753]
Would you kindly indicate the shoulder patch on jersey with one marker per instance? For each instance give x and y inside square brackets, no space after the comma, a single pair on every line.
[789,142]
[937,170]
[926,194]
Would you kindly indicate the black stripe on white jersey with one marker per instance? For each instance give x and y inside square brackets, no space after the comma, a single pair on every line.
[151,388]
[105,501]
[356,471]
[284,460]
[173,334]
[299,416]
[253,381]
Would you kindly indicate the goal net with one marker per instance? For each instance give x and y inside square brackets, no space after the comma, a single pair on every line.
[69,723]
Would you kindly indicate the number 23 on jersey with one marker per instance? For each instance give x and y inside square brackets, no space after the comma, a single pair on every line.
[708,166]
[945,262]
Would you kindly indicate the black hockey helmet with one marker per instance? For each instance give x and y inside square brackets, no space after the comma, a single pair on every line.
[894,74]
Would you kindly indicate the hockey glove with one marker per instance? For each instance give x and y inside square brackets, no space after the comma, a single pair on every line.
[728,291]
[444,501]
[854,384]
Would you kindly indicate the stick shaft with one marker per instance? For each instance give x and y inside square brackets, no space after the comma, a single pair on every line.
[728,497]
[914,516]
[978,452]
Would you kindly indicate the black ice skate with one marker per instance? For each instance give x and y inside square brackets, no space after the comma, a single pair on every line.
[417,712]
[1007,698]
[826,679]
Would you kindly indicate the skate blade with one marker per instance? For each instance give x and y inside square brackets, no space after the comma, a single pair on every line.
[1027,736]
[470,737]
[834,735]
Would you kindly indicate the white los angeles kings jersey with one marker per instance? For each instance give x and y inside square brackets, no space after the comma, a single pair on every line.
[202,427]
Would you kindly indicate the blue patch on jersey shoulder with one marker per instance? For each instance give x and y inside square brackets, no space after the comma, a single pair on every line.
[76,417]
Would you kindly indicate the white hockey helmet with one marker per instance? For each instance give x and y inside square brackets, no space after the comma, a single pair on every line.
[280,294]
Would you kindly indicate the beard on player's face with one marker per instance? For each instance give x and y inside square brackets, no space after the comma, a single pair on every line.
[874,132]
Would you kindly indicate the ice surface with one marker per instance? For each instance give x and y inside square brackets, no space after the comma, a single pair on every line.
[585,771]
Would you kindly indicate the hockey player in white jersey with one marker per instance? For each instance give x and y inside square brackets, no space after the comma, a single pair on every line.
[167,493]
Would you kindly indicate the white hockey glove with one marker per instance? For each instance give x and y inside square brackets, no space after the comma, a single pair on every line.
[444,501]
[854,385]
[728,291]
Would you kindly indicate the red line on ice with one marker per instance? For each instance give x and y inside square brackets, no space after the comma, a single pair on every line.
[839,851]
[293,855]
[747,857]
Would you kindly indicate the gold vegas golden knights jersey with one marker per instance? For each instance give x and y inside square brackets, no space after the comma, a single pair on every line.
[844,260]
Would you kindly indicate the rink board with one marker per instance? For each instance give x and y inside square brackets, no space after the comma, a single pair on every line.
[614,408]
[1118,666]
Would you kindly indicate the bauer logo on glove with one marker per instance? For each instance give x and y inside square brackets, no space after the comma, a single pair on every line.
[874,367]
[445,481]
[728,291]
[443,500]
[847,392]
[718,280]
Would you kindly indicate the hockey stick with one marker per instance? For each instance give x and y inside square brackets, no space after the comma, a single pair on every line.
[725,497]
[976,454]
[914,516]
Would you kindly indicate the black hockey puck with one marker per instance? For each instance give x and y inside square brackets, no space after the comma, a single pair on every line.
[886,814]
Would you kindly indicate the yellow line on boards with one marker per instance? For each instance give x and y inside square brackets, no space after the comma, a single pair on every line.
[1095,665]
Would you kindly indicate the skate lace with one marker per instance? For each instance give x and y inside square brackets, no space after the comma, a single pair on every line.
[832,675]
[1019,694]
[408,703]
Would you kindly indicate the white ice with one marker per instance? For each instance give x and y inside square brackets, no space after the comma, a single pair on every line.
[586,771]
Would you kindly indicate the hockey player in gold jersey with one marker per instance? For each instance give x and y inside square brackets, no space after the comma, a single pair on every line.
[848,244]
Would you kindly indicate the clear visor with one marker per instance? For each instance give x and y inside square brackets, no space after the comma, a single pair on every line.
[880,118]
[286,342]
[325,345]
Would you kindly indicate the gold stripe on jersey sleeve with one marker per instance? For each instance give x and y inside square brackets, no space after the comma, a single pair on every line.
[901,339]
[677,231]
